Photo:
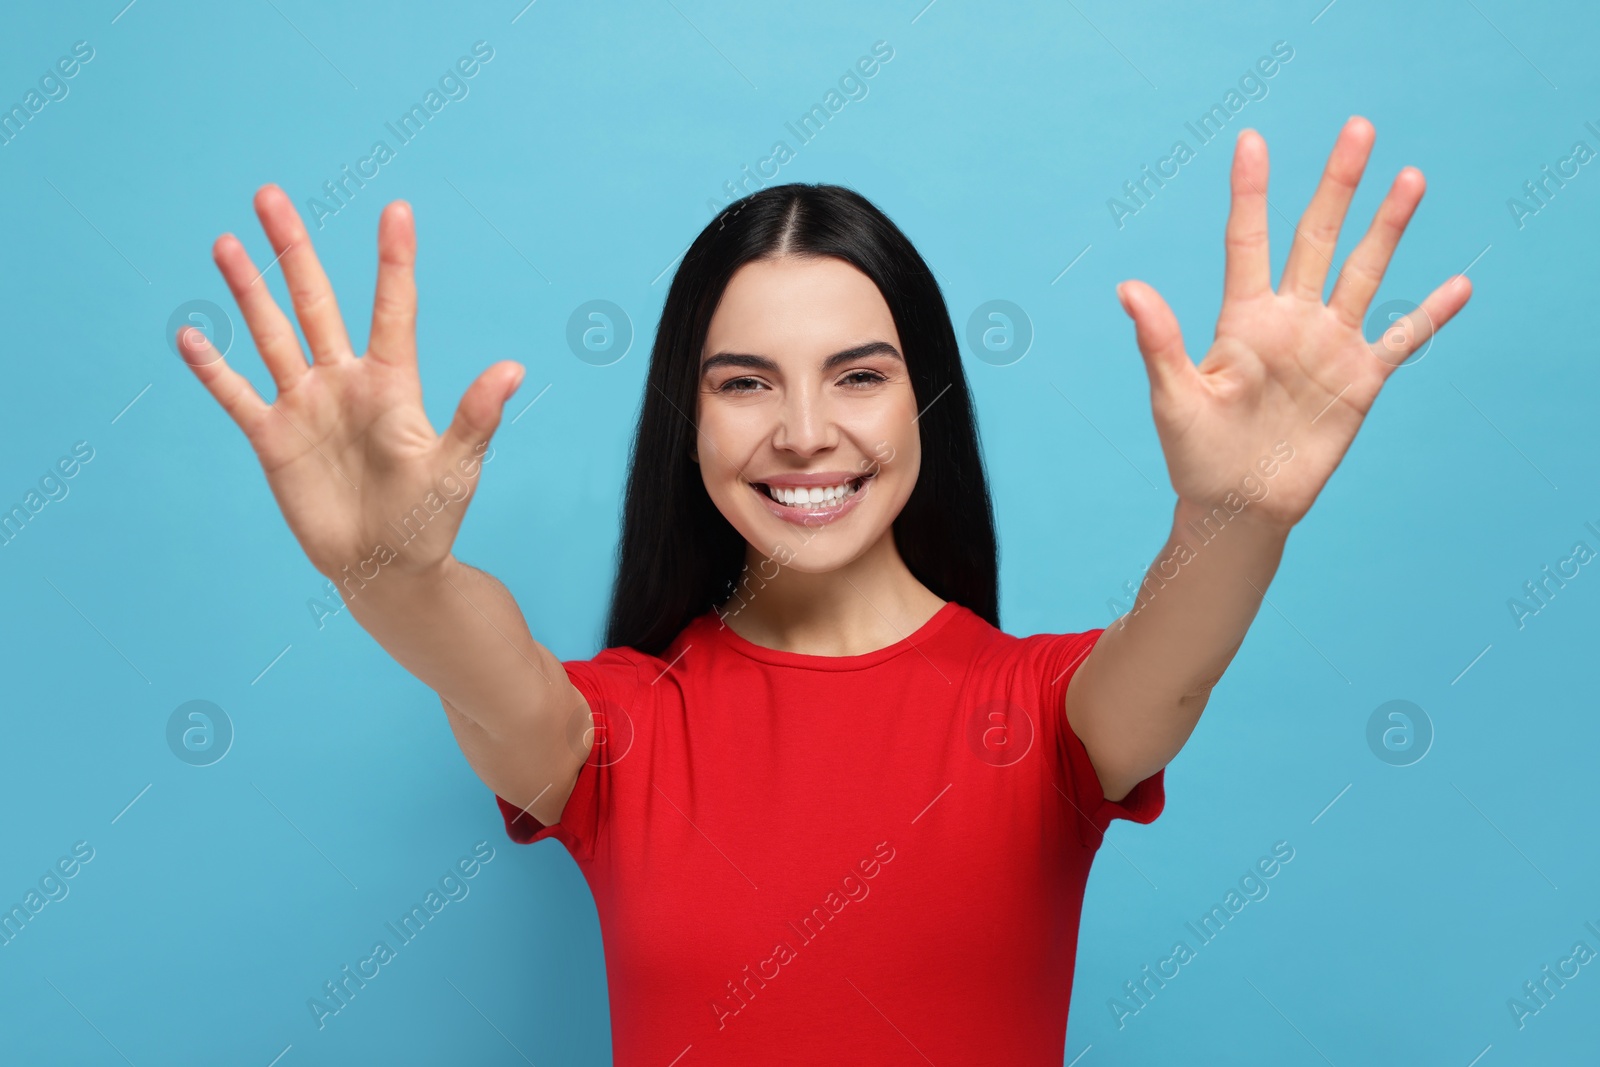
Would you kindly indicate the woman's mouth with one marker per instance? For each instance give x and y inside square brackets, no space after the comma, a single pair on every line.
[812,505]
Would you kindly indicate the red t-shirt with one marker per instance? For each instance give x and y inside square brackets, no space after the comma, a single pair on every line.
[804,859]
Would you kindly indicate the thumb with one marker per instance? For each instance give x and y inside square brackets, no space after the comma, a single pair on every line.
[478,415]
[1159,337]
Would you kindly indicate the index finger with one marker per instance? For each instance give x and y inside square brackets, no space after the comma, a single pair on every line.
[1248,272]
[394,309]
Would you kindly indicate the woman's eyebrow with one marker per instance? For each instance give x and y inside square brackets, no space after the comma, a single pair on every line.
[763,363]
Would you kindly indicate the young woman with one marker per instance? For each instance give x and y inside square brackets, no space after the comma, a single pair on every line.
[829,812]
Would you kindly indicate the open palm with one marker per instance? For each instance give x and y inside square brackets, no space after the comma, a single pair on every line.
[1284,366]
[346,446]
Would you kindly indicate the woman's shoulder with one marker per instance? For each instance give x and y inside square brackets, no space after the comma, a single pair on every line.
[974,627]
[627,665]
[1033,647]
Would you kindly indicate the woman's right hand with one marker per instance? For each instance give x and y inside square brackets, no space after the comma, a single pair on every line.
[357,470]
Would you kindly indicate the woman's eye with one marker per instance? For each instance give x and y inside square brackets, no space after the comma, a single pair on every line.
[739,385]
[863,378]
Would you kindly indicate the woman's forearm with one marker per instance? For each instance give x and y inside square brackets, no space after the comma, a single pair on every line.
[1197,599]
[460,632]
[1137,697]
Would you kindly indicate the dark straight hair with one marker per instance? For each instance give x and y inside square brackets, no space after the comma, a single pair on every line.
[679,557]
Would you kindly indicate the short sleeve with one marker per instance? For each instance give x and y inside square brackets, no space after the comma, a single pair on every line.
[610,685]
[1056,658]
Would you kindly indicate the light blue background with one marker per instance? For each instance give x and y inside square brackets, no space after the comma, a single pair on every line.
[582,162]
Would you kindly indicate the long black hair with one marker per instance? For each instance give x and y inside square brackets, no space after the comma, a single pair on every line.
[678,556]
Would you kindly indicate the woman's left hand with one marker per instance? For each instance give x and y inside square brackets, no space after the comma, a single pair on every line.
[1284,366]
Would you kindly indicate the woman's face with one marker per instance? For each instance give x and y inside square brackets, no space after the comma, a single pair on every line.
[804,395]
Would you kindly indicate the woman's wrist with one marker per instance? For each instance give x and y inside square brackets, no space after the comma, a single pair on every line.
[1206,521]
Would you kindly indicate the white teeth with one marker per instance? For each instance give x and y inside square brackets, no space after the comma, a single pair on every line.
[813,496]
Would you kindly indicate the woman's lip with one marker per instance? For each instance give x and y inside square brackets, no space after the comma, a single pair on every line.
[808,481]
[819,516]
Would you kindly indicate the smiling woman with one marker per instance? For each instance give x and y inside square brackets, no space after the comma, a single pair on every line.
[812,345]
[709,768]
[806,418]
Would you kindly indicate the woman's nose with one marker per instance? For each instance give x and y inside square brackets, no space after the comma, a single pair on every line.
[804,424]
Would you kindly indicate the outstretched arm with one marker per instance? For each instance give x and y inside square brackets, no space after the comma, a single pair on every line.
[376,497]
[1250,435]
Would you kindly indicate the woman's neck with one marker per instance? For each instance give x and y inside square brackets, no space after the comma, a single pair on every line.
[871,602]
